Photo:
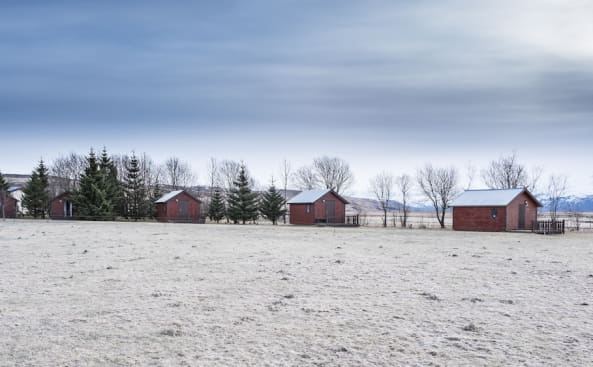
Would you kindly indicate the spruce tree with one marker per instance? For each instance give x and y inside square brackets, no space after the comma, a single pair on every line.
[3,194]
[92,199]
[3,183]
[216,211]
[242,202]
[272,205]
[156,194]
[111,185]
[36,193]
[135,192]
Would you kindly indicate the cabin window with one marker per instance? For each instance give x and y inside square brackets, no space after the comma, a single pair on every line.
[308,208]
[494,213]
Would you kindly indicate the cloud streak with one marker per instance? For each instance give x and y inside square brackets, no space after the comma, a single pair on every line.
[466,73]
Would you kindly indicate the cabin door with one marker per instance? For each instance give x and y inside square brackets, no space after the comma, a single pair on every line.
[330,211]
[184,210]
[522,216]
[67,209]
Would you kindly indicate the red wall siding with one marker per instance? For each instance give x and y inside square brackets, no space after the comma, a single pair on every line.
[513,212]
[9,207]
[479,219]
[161,212]
[169,211]
[299,215]
[320,214]
[56,207]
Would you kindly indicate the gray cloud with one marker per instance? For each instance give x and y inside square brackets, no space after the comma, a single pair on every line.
[423,71]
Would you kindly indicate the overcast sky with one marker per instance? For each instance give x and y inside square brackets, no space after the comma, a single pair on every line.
[385,85]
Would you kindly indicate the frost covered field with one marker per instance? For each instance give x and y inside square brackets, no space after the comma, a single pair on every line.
[150,294]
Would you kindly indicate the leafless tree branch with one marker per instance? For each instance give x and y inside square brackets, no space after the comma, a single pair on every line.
[382,187]
[440,187]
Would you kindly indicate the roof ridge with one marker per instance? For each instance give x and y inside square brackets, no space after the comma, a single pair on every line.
[516,188]
[310,196]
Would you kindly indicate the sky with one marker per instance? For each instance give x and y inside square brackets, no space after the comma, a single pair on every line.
[384,85]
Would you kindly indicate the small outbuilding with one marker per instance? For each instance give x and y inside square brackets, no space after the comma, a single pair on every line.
[178,206]
[10,206]
[62,207]
[495,210]
[317,206]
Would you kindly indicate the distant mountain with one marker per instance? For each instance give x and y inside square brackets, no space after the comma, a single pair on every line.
[571,204]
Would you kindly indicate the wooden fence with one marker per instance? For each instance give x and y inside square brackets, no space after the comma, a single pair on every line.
[548,226]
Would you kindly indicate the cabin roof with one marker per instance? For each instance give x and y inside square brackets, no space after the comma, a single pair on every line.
[490,197]
[13,188]
[311,196]
[168,196]
[172,194]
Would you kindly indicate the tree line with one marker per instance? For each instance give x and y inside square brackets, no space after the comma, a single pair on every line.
[242,204]
[127,186]
[106,187]
[98,189]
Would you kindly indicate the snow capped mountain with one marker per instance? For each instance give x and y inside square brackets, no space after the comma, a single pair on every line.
[571,204]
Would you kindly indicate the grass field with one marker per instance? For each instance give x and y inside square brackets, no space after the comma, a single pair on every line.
[152,294]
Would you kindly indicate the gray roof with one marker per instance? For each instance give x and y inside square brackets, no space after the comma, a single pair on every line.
[489,197]
[14,188]
[169,196]
[308,197]
[311,196]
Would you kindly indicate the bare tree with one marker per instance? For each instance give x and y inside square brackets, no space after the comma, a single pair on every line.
[440,186]
[228,173]
[178,173]
[382,187]
[556,190]
[534,178]
[334,173]
[285,173]
[213,174]
[404,185]
[121,162]
[305,178]
[508,173]
[213,180]
[470,170]
[152,175]
[68,169]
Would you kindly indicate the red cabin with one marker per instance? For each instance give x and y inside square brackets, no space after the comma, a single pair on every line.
[178,206]
[317,206]
[9,204]
[495,210]
[62,207]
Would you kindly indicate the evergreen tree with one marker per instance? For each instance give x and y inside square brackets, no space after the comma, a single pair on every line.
[3,194]
[135,192]
[242,202]
[216,211]
[156,194]
[36,193]
[92,199]
[272,205]
[111,185]
[3,183]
